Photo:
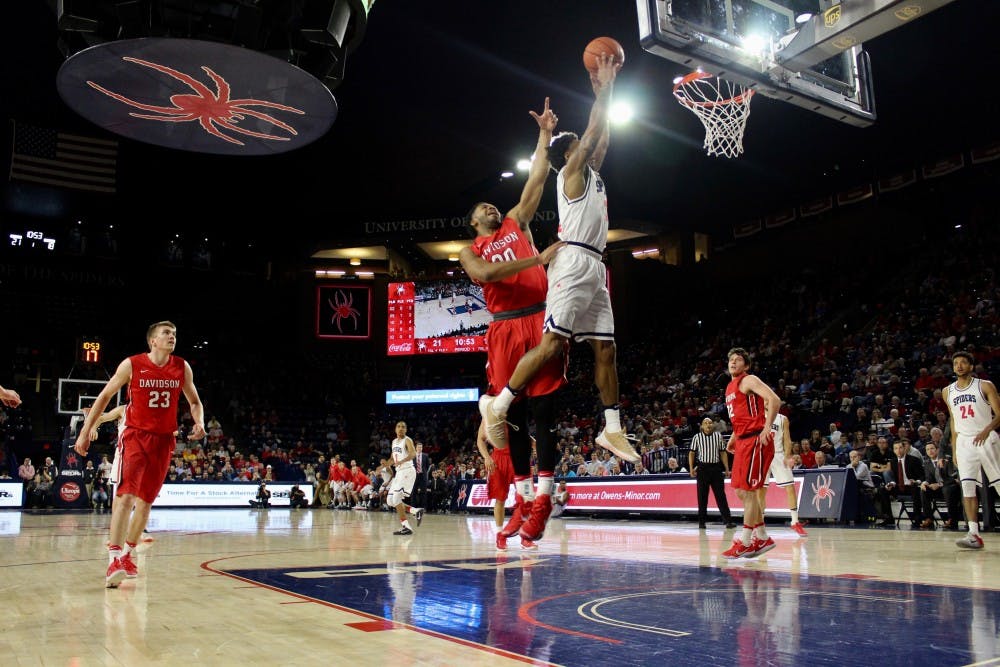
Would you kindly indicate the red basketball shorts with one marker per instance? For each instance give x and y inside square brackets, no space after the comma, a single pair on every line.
[752,462]
[499,481]
[507,341]
[145,460]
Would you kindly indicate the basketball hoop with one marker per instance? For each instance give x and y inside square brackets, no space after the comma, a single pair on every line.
[722,107]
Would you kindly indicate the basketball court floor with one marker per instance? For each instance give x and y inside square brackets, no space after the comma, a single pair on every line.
[298,587]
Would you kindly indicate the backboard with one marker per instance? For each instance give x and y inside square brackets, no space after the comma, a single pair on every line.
[73,395]
[804,52]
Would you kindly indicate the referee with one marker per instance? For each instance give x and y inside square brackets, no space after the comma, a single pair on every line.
[710,470]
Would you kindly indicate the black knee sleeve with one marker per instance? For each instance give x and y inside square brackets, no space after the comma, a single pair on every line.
[543,408]
[520,440]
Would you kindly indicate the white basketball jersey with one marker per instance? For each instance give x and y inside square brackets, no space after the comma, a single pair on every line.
[778,428]
[399,453]
[584,219]
[970,411]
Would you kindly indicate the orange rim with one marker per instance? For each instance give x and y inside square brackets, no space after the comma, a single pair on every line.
[697,76]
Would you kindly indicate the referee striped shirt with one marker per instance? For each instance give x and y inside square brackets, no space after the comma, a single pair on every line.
[708,447]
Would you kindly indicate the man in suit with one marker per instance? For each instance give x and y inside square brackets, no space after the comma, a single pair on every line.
[907,476]
[422,463]
[940,482]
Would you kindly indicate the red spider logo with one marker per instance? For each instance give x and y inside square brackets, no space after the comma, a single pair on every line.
[822,491]
[208,108]
[343,307]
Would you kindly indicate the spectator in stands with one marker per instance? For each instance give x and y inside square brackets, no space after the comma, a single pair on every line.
[940,483]
[922,438]
[100,498]
[674,467]
[50,467]
[437,491]
[807,454]
[907,474]
[41,490]
[821,461]
[875,494]
[89,475]
[878,458]
[26,472]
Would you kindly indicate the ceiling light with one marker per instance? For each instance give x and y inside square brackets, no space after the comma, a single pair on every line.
[452,257]
[355,261]
[506,174]
[524,165]
[802,18]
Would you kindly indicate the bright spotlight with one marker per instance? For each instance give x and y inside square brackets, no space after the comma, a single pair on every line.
[506,174]
[754,43]
[523,165]
[621,113]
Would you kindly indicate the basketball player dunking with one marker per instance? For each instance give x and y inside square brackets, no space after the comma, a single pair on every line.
[579,304]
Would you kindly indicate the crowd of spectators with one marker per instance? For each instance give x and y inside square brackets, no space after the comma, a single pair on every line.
[858,351]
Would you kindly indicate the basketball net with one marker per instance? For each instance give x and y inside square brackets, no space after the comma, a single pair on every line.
[721,106]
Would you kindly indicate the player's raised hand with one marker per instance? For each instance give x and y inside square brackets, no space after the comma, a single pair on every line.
[546,120]
[607,70]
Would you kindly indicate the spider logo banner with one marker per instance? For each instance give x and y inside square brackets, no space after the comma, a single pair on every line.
[343,312]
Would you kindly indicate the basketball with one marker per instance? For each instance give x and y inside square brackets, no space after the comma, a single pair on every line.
[599,46]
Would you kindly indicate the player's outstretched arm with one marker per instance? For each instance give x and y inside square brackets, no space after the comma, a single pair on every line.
[531,195]
[604,79]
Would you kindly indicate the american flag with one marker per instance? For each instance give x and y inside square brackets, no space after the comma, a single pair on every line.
[59,159]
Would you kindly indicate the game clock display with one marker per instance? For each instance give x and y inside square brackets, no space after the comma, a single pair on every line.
[436,316]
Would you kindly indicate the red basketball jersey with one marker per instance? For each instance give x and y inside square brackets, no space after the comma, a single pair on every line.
[523,289]
[154,393]
[746,411]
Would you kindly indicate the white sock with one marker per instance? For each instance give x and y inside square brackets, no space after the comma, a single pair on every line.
[761,532]
[114,553]
[525,488]
[406,524]
[502,402]
[795,516]
[612,421]
[747,535]
[545,485]
[973,528]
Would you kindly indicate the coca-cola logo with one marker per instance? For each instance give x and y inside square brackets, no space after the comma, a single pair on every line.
[69,491]
[401,347]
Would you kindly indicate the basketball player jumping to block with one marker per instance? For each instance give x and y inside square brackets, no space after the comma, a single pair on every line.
[974,413]
[752,406]
[504,260]
[579,304]
[401,486]
[155,382]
